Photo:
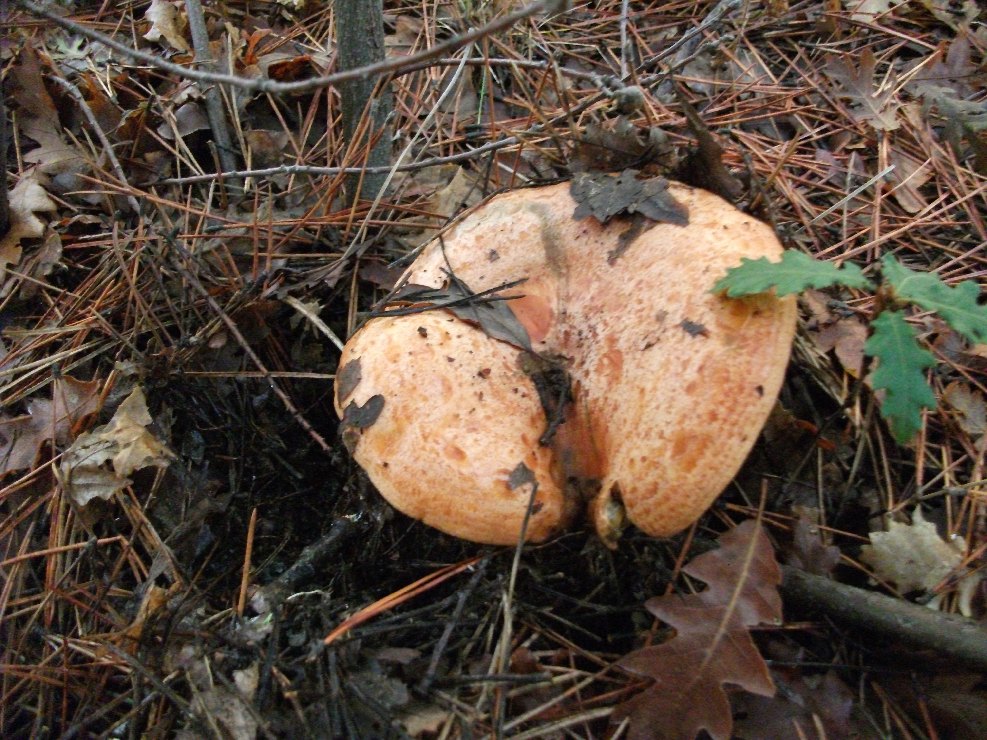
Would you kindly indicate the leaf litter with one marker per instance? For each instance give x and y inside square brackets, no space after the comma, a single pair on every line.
[712,645]
[803,125]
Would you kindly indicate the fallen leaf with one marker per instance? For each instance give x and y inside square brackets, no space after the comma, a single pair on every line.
[21,437]
[37,117]
[613,146]
[969,407]
[228,707]
[125,442]
[712,646]
[843,333]
[488,310]
[867,11]
[949,69]
[915,558]
[803,706]
[27,198]
[908,176]
[957,14]
[604,196]
[809,551]
[868,104]
[404,40]
[167,23]
[188,118]
[446,196]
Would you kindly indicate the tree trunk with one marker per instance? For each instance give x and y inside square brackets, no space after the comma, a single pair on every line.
[359,42]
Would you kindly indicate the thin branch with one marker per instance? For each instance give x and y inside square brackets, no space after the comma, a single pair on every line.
[952,636]
[78,97]
[388,66]
[213,93]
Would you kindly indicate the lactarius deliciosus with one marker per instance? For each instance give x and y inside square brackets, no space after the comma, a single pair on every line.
[640,396]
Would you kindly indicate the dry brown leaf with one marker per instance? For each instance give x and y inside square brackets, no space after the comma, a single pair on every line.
[869,104]
[446,200]
[188,118]
[950,70]
[957,14]
[405,39]
[37,117]
[970,408]
[21,437]
[27,198]
[125,442]
[809,552]
[866,11]
[615,145]
[712,645]
[915,558]
[908,176]
[803,706]
[167,23]
[843,334]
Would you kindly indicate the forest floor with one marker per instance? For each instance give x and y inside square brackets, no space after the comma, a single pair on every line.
[187,548]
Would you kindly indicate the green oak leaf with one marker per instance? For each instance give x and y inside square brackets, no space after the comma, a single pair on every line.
[794,273]
[900,373]
[957,305]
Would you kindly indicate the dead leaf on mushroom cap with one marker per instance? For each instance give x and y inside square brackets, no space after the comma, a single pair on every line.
[605,196]
[488,309]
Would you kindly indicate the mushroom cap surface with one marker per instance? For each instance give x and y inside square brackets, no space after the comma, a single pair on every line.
[670,383]
[458,419]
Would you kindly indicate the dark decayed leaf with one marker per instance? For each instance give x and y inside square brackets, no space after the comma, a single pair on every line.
[617,145]
[361,417]
[712,645]
[813,707]
[605,196]
[357,418]
[868,103]
[521,475]
[551,380]
[637,227]
[347,379]
[486,309]
[704,167]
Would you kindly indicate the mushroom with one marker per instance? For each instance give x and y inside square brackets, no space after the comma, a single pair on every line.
[666,384]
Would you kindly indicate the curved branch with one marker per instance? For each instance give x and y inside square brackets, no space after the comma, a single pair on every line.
[388,66]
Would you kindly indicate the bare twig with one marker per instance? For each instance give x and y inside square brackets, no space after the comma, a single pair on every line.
[388,66]
[213,93]
[100,134]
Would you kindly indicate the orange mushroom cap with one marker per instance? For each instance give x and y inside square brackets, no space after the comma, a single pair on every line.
[669,383]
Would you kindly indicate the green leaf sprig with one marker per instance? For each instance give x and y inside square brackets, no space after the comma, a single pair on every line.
[901,357]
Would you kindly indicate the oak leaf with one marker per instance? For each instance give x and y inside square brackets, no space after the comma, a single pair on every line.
[21,437]
[125,442]
[712,647]
[869,104]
